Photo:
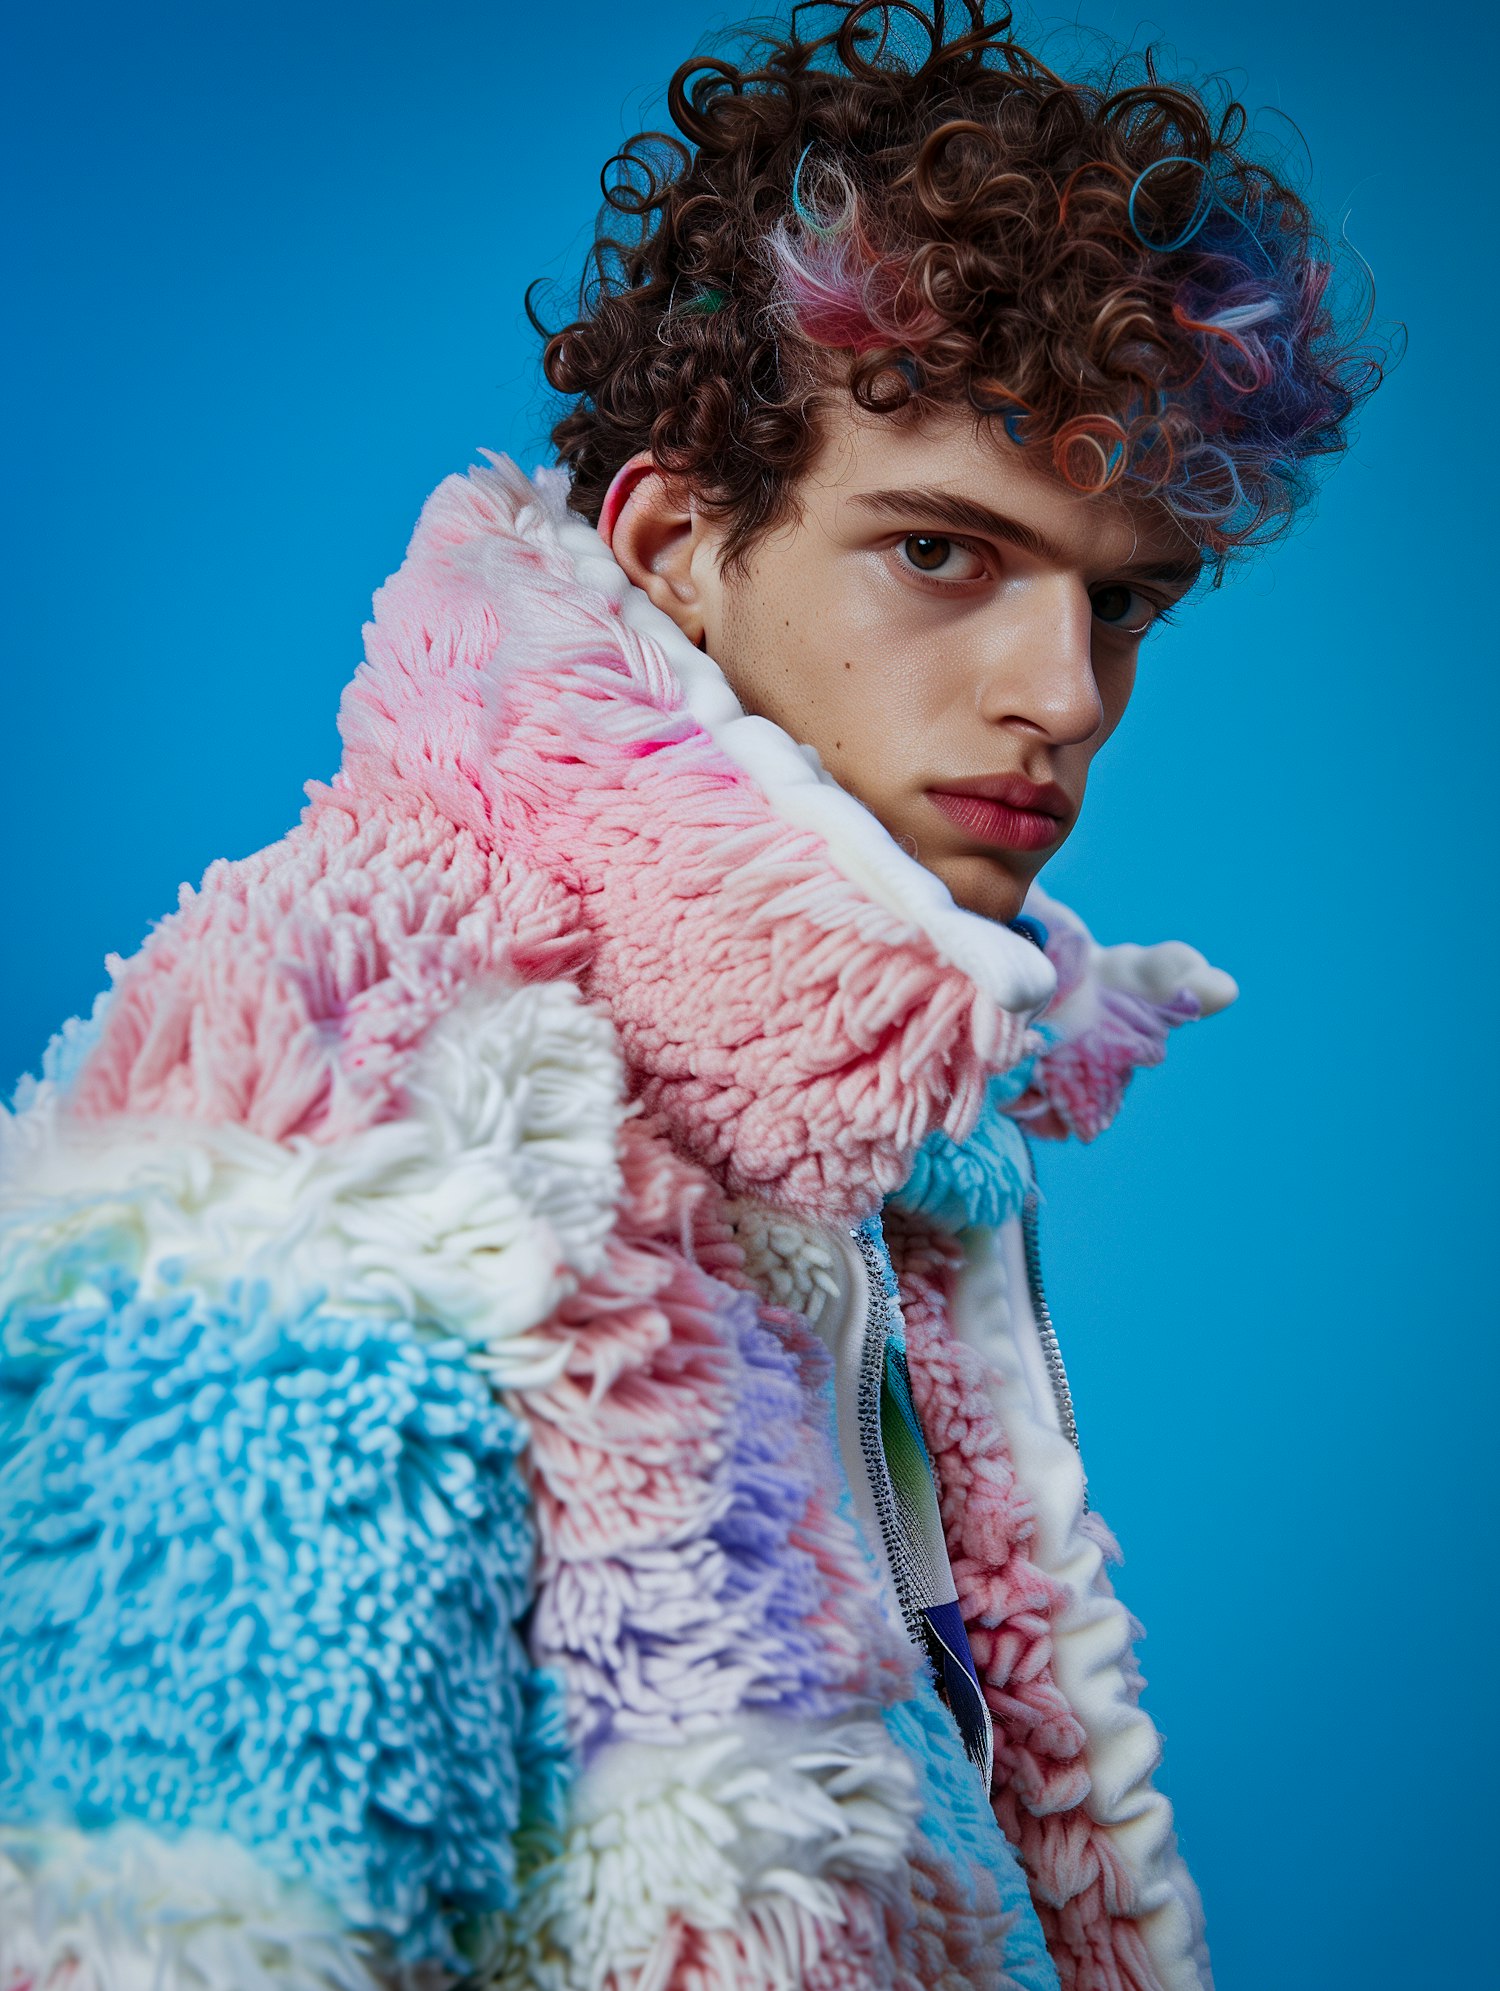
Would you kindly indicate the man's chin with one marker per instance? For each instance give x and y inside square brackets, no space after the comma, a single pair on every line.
[983,885]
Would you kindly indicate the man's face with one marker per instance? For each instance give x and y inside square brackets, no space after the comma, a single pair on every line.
[954,631]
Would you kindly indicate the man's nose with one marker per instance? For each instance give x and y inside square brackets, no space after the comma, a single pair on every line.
[1041,673]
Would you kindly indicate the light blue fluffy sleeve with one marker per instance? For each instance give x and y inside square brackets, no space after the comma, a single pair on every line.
[261,1571]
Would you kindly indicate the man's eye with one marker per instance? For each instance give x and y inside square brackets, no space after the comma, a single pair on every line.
[935,553]
[1122,608]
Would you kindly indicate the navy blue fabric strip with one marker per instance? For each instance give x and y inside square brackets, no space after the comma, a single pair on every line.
[953,1661]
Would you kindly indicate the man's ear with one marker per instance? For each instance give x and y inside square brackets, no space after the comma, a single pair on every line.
[661,541]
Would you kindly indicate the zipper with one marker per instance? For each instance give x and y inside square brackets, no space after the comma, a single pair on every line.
[872,1450]
[1057,1373]
[928,1600]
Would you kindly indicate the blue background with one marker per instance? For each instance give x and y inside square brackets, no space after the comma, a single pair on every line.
[268,265]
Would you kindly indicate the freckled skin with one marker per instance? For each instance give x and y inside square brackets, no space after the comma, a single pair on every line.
[976,655]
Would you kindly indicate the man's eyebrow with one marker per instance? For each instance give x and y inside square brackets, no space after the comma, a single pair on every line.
[1171,573]
[969,515]
[965,514]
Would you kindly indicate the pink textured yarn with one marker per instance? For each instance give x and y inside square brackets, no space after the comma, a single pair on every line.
[288,993]
[525,793]
[523,785]
[1081,1081]
[1083,1893]
[931,1939]
[952,1941]
[788,1032]
[779,1942]
[654,1630]
[1104,1036]
[623,1451]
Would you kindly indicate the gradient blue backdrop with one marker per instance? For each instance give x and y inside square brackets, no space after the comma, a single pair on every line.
[268,264]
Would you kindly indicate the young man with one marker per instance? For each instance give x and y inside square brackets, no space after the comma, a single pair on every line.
[532,1448]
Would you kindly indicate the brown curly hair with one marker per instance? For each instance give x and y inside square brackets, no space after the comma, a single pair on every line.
[1101,266]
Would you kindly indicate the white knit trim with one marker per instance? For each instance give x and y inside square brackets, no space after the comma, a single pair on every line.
[1092,1636]
[126,1910]
[793,780]
[790,1263]
[477,1210]
[766,1814]
[1158,973]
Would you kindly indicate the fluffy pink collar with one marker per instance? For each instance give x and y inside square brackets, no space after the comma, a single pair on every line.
[797,999]
[542,776]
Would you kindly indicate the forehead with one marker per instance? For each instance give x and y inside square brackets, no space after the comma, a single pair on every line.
[969,457]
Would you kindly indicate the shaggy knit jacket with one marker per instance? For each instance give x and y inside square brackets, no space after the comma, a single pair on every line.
[454,1524]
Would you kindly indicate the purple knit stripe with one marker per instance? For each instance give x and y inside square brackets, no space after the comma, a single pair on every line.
[682,1636]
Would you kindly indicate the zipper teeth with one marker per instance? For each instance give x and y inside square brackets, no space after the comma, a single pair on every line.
[871,1376]
[1062,1394]
[1051,1351]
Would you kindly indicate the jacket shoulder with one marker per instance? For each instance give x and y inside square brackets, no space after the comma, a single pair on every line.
[288,992]
[265,1535]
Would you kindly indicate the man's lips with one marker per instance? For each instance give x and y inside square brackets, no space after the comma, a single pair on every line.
[1005,811]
